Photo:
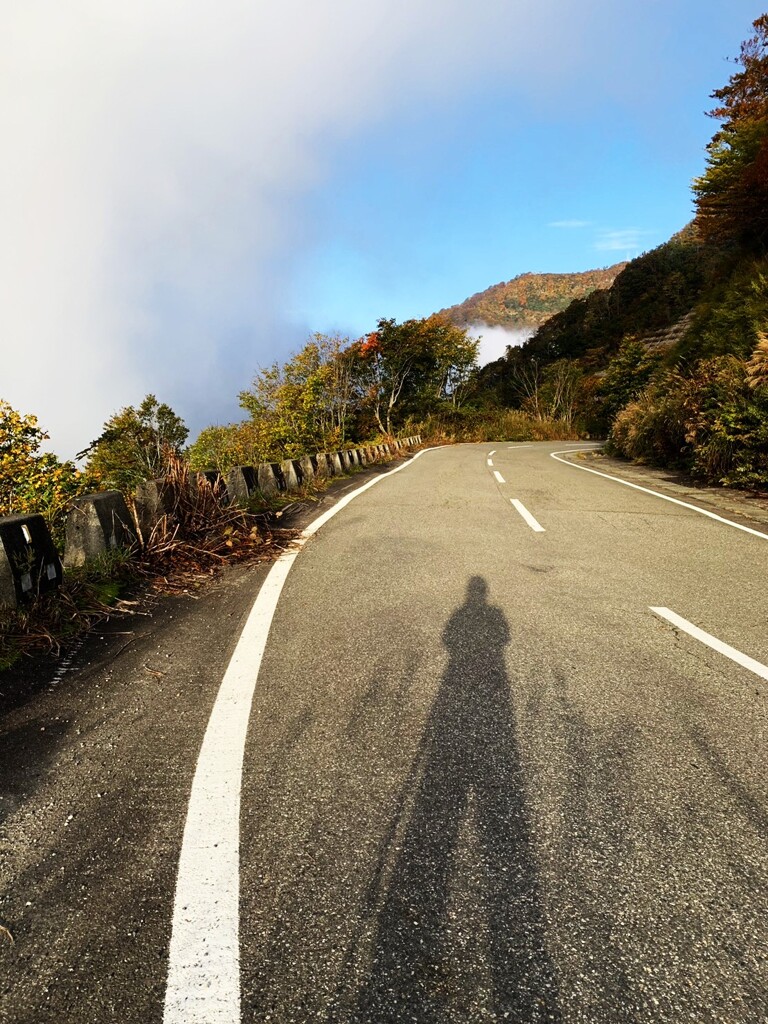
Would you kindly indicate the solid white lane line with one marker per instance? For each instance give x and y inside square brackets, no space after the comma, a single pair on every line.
[489,461]
[513,447]
[711,641]
[665,497]
[534,525]
[204,956]
[499,478]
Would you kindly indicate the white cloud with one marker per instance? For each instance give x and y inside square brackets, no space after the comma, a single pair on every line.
[156,156]
[495,340]
[628,240]
[569,224]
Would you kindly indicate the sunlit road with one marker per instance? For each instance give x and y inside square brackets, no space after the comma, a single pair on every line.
[505,761]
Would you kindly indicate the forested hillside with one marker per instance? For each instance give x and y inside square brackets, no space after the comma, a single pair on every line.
[528,300]
[671,360]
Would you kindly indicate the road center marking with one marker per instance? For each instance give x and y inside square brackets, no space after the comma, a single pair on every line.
[489,461]
[711,641]
[656,494]
[491,453]
[532,522]
[204,956]
[499,478]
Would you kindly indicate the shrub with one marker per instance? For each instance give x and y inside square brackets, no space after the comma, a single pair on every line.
[712,422]
[31,480]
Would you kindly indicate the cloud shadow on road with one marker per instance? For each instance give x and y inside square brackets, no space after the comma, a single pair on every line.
[467,770]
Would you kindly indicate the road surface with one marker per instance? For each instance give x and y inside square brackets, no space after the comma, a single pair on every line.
[491,747]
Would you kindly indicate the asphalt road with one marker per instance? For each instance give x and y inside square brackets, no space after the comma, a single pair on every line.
[481,780]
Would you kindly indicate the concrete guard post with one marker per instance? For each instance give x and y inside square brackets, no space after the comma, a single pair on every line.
[153,501]
[29,561]
[97,523]
[308,464]
[289,475]
[362,456]
[352,457]
[241,482]
[343,461]
[334,460]
[322,469]
[267,480]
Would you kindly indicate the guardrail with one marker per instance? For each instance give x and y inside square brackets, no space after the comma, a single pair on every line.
[30,564]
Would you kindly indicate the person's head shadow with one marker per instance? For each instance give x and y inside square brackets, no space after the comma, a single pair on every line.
[467,782]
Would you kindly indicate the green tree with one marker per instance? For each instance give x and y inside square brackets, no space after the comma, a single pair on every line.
[135,444]
[627,374]
[32,480]
[414,365]
[732,194]
[305,404]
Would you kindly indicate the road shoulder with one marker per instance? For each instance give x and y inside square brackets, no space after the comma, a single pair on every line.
[742,506]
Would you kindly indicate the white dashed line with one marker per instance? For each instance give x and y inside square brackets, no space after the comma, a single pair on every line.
[514,447]
[711,641]
[489,461]
[533,523]
[499,478]
[491,453]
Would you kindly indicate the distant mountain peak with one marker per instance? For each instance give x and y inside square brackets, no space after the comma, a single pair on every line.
[529,300]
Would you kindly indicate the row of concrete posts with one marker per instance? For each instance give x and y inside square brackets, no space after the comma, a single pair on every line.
[101,522]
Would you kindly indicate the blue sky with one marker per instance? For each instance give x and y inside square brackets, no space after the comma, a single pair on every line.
[190,188]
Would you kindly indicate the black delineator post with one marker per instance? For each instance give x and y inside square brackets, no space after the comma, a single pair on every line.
[29,562]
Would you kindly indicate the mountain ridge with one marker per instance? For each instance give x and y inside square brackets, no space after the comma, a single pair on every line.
[530,299]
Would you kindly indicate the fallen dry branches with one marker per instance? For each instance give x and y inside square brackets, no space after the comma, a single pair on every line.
[198,535]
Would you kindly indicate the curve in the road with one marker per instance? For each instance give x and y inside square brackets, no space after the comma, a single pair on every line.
[657,494]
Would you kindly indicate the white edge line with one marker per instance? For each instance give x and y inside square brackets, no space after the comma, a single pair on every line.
[499,478]
[711,641]
[531,520]
[203,984]
[514,447]
[657,494]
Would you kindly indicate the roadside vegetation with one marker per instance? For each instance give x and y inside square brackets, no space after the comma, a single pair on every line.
[669,362]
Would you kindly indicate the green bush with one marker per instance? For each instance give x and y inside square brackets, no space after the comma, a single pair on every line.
[712,422]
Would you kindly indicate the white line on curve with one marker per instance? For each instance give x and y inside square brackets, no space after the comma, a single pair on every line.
[491,453]
[532,522]
[711,641]
[204,956]
[657,494]
[489,461]
[499,478]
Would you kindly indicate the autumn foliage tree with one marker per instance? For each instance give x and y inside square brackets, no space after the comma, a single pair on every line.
[732,194]
[305,403]
[415,365]
[32,480]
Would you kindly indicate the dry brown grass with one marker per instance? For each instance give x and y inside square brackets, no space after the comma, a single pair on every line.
[199,534]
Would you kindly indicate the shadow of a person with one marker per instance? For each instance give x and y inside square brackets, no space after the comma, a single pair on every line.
[468,754]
